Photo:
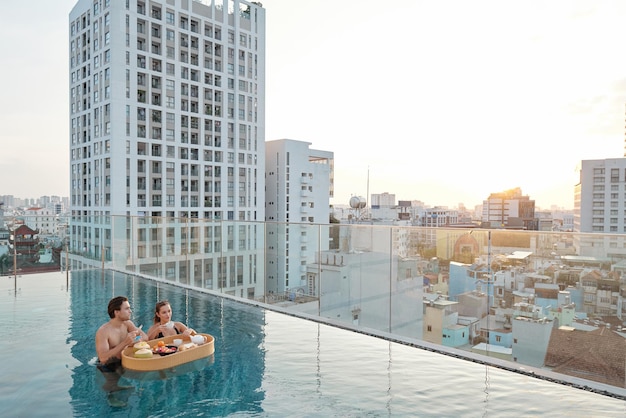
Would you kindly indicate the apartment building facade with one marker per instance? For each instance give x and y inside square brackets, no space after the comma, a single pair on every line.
[383,200]
[600,196]
[299,185]
[167,118]
[600,208]
[43,220]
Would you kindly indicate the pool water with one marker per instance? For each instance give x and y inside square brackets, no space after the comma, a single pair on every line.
[266,364]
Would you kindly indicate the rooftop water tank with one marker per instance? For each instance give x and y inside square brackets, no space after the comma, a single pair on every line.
[357,202]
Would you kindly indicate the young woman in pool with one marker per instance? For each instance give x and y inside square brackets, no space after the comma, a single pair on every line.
[164,326]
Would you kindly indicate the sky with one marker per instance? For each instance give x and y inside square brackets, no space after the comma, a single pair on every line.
[444,102]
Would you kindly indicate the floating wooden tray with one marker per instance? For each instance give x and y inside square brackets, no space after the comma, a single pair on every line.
[158,362]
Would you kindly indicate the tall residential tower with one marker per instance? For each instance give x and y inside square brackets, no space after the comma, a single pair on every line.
[167,102]
[167,139]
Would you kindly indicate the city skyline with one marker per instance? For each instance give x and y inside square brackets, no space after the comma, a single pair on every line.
[429,102]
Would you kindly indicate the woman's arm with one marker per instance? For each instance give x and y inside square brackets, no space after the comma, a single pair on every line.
[153,331]
[184,329]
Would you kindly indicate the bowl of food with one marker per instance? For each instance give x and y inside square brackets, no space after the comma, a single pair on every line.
[164,350]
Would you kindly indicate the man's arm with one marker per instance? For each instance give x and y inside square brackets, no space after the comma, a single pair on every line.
[105,351]
[137,331]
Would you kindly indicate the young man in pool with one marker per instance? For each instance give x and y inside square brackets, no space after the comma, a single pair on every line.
[111,339]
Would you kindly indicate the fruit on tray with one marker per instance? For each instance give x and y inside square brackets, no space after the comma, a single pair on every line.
[163,350]
[143,353]
[140,345]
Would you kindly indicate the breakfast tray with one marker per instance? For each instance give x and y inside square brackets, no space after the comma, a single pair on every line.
[158,362]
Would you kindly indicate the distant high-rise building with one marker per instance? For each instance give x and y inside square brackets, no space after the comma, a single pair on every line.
[44,201]
[10,201]
[600,207]
[600,196]
[509,209]
[299,185]
[167,110]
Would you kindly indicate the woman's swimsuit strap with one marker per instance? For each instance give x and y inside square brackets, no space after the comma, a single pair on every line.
[161,334]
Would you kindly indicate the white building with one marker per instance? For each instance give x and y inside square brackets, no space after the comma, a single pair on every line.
[383,200]
[531,334]
[299,185]
[599,207]
[383,207]
[563,220]
[387,295]
[600,197]
[167,115]
[43,220]
[438,217]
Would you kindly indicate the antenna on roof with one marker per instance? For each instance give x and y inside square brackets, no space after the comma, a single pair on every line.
[367,212]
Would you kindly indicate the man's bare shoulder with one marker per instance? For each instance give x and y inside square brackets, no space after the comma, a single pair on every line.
[129,325]
[103,328]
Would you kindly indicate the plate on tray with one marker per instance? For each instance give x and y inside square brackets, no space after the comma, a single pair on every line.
[165,350]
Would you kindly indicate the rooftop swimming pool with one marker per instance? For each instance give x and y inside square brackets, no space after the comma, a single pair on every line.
[266,364]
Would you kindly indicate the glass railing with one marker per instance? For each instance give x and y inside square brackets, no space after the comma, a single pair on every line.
[551,302]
